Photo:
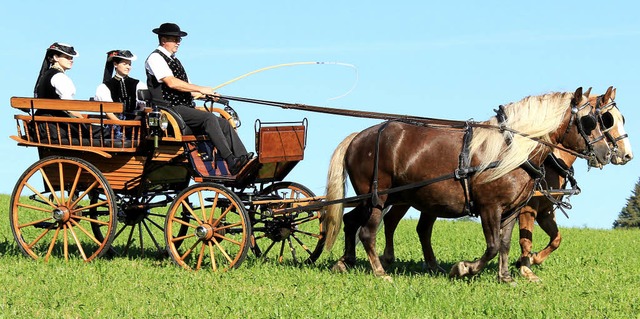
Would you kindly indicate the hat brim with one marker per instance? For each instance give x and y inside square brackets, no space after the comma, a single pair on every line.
[169,33]
[65,53]
[133,58]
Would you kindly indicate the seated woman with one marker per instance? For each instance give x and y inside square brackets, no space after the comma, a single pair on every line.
[120,87]
[53,83]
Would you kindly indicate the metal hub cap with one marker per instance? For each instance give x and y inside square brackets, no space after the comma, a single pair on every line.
[61,215]
[204,232]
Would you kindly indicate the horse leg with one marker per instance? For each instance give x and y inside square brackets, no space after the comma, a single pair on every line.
[391,220]
[425,230]
[526,218]
[549,225]
[368,238]
[490,219]
[351,226]
[505,245]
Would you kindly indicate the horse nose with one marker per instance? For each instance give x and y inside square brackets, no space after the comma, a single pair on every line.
[628,157]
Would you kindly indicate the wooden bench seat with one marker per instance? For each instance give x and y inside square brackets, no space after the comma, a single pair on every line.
[91,133]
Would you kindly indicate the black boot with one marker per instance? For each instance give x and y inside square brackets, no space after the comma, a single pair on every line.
[236,164]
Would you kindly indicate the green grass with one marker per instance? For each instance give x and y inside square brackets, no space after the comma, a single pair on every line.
[594,274]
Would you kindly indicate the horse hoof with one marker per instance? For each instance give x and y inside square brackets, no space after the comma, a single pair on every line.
[339,267]
[458,270]
[507,279]
[387,278]
[527,273]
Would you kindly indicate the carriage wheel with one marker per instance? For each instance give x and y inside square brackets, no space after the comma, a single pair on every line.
[296,236]
[140,231]
[218,228]
[50,209]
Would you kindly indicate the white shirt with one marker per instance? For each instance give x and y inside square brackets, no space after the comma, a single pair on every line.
[103,93]
[157,66]
[63,85]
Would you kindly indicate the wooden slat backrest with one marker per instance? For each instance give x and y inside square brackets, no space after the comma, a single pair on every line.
[25,103]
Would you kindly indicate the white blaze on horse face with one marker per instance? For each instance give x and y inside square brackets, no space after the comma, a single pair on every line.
[624,152]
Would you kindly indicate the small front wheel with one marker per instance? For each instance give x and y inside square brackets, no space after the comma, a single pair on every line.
[217,224]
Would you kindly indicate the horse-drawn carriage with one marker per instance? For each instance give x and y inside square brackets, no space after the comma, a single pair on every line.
[85,184]
[156,188]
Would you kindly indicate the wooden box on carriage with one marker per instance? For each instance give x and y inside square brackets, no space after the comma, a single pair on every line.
[280,148]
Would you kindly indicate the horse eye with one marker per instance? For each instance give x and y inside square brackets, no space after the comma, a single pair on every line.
[607,120]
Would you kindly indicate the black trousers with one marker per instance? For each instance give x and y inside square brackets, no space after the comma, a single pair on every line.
[223,136]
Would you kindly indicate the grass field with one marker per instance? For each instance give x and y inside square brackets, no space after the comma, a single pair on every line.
[594,274]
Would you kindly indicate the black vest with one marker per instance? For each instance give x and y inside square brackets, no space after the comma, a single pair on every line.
[45,90]
[163,94]
[125,92]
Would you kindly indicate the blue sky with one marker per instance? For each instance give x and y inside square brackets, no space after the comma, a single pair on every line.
[452,61]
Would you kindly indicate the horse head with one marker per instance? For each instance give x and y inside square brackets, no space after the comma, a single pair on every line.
[582,131]
[612,124]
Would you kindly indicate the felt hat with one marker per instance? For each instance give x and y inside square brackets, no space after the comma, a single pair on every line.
[121,54]
[64,49]
[170,29]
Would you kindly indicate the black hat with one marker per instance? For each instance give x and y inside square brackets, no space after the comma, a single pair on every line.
[121,54]
[170,29]
[64,49]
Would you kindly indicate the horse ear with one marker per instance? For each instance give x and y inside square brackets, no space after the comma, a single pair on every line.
[613,94]
[577,96]
[607,95]
[588,92]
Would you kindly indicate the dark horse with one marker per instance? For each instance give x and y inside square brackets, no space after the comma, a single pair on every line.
[501,167]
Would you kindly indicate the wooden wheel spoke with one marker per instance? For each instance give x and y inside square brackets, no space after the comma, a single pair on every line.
[61,172]
[306,219]
[37,239]
[84,194]
[281,251]
[129,239]
[35,222]
[180,221]
[45,177]
[95,240]
[75,185]
[190,209]
[200,257]
[308,233]
[41,209]
[238,224]
[95,205]
[303,245]
[117,234]
[151,235]
[214,205]
[224,252]
[273,243]
[188,252]
[91,220]
[227,239]
[223,215]
[36,192]
[77,241]
[293,251]
[175,239]
[214,266]
[53,242]
[202,207]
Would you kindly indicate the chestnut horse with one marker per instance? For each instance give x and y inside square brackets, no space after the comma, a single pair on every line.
[542,209]
[496,175]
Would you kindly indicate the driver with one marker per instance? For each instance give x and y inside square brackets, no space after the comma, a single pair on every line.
[169,86]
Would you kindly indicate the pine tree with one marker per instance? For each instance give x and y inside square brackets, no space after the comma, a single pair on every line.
[630,215]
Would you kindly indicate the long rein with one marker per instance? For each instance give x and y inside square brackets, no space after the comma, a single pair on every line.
[419,120]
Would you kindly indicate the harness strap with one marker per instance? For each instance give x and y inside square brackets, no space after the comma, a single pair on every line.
[374,185]
[462,173]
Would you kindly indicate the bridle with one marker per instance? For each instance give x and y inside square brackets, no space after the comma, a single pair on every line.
[585,125]
[602,109]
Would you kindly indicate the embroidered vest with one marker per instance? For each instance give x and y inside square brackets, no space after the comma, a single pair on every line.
[163,94]
[124,91]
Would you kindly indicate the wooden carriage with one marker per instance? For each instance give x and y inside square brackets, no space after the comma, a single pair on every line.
[118,187]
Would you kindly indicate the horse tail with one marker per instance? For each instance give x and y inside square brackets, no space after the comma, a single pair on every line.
[336,179]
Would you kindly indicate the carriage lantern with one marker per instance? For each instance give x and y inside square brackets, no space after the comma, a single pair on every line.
[157,122]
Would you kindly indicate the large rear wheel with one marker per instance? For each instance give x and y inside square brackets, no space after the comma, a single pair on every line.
[295,237]
[50,210]
[218,228]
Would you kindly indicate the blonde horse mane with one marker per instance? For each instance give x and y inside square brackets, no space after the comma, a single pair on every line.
[536,116]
